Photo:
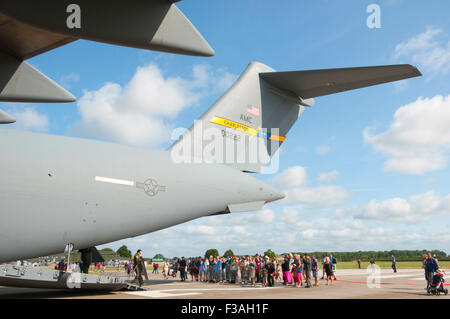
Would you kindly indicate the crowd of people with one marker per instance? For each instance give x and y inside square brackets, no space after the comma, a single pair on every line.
[295,269]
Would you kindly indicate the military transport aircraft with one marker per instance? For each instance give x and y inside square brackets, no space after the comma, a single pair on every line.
[56,191]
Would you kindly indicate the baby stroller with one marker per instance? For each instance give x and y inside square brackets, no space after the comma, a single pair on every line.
[437,285]
[173,272]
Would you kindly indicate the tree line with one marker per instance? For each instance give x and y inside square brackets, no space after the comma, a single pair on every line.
[400,255]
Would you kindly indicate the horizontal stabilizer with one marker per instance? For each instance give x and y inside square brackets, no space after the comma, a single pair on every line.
[20,82]
[5,118]
[245,207]
[315,83]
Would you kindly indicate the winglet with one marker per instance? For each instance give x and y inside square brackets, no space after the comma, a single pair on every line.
[5,118]
[20,82]
[177,34]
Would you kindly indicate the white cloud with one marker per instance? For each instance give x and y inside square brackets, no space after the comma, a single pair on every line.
[68,79]
[290,177]
[328,177]
[266,216]
[29,119]
[323,149]
[220,79]
[263,217]
[238,230]
[415,209]
[289,215]
[140,112]
[431,55]
[401,85]
[200,230]
[322,196]
[294,181]
[290,231]
[419,138]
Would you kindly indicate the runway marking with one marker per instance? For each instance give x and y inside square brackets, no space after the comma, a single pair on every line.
[224,289]
[363,272]
[158,294]
[380,283]
[365,283]
[397,276]
[168,293]
[165,293]
[383,277]
[420,278]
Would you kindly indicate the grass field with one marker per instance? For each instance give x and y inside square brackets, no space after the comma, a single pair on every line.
[388,264]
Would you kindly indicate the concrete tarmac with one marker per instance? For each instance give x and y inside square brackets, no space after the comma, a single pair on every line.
[351,283]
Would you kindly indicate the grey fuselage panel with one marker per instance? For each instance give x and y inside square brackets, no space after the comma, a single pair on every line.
[56,190]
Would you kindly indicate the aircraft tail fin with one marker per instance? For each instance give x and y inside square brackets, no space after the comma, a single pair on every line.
[247,125]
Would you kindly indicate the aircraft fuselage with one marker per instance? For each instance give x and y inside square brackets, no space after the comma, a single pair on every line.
[57,190]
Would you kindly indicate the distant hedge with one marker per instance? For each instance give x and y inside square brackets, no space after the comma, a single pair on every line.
[400,255]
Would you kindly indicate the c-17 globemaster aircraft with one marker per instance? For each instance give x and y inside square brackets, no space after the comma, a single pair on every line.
[57,191]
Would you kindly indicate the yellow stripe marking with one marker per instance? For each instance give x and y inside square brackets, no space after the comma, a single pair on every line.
[243,128]
[234,125]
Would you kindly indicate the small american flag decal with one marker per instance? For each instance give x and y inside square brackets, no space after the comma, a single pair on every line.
[253,111]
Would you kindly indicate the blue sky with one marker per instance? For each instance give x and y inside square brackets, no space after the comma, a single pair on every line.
[366,169]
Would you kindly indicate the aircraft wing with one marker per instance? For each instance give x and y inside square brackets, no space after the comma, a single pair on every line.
[33,27]
[23,41]
[315,83]
[30,27]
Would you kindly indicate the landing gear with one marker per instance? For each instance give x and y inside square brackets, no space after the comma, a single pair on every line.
[89,255]
[86,258]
